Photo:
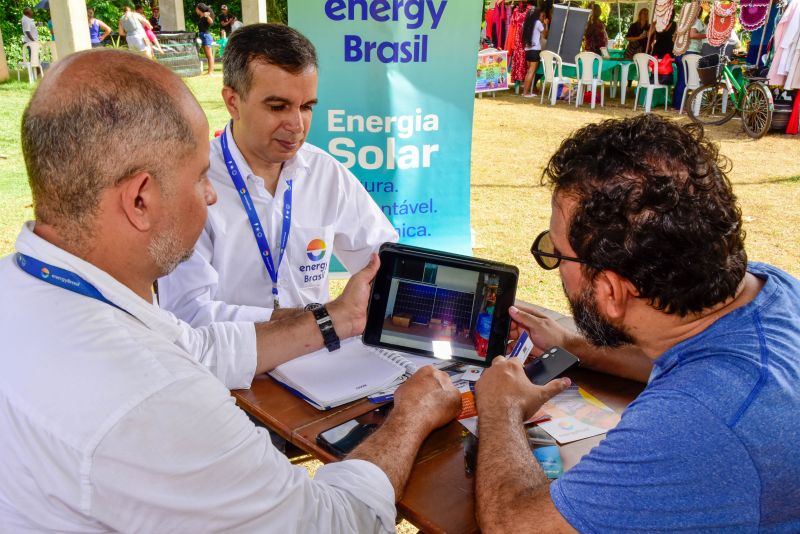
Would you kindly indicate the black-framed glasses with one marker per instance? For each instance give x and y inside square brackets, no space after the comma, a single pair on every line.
[545,252]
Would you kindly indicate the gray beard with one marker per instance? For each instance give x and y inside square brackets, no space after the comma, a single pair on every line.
[166,253]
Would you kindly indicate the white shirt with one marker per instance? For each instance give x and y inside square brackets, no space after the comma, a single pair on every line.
[28,25]
[536,38]
[695,45]
[112,422]
[226,280]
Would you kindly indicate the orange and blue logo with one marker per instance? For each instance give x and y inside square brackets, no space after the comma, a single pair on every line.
[315,249]
[243,190]
[45,272]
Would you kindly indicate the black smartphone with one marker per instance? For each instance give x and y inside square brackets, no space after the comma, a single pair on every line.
[551,364]
[342,439]
[440,304]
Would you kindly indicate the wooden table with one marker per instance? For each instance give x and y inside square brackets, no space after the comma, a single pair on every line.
[439,496]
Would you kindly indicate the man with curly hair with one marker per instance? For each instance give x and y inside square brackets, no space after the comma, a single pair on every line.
[648,239]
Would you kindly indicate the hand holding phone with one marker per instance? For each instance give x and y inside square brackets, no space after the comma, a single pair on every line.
[504,389]
[550,365]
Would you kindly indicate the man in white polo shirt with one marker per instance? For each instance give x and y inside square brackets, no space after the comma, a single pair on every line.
[112,417]
[285,206]
[29,31]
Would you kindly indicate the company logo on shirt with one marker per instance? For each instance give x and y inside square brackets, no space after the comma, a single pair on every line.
[315,249]
[45,272]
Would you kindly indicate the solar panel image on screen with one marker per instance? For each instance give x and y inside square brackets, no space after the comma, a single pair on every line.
[425,302]
[454,307]
[416,300]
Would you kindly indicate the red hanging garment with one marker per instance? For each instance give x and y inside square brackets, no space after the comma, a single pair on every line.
[519,67]
[794,118]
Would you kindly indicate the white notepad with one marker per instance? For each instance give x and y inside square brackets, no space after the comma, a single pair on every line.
[327,379]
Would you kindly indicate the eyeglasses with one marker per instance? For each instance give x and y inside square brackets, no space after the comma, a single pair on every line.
[545,252]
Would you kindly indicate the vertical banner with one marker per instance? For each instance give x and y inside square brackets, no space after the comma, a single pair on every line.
[396,95]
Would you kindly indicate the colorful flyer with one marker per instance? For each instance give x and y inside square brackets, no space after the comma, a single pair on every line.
[576,414]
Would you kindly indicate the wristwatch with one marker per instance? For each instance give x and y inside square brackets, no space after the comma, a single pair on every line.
[325,324]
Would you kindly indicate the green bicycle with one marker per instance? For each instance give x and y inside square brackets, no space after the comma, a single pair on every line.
[722,96]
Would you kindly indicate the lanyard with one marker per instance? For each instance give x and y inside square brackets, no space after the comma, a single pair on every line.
[61,278]
[255,223]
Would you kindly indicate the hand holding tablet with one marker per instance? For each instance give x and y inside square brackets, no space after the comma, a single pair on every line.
[440,304]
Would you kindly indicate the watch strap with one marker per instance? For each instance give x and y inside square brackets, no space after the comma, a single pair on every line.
[325,324]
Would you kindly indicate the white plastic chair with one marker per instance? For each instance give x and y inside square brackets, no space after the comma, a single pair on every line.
[553,74]
[690,75]
[33,63]
[585,63]
[643,81]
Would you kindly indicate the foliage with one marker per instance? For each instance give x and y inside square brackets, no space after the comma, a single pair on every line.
[276,12]
[11,26]
[107,10]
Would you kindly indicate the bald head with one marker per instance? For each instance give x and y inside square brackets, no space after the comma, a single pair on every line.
[80,137]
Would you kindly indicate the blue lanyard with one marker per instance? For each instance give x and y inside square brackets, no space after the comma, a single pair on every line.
[61,278]
[255,222]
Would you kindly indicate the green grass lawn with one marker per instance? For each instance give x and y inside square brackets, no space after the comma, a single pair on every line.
[512,141]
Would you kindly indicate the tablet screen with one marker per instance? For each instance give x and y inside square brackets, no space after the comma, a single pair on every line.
[439,308]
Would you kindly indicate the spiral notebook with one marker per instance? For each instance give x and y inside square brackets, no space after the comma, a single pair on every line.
[328,379]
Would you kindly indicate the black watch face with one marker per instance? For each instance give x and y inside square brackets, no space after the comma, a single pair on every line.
[313,306]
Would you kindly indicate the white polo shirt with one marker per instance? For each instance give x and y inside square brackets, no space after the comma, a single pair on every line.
[29,25]
[113,422]
[226,280]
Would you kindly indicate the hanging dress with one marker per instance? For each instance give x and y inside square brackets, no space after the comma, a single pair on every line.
[785,42]
[688,15]
[753,14]
[663,14]
[518,64]
[720,23]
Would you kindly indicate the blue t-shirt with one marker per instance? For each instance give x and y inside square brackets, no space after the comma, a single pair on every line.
[713,442]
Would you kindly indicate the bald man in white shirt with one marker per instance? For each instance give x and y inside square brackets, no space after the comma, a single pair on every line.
[112,417]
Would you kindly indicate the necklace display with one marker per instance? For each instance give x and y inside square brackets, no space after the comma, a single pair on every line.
[753,14]
[663,12]
[688,15]
[720,23]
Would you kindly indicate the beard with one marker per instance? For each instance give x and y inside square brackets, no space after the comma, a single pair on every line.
[166,252]
[596,328]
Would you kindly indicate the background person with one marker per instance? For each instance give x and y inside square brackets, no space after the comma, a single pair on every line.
[226,20]
[664,41]
[697,35]
[95,25]
[270,89]
[29,31]
[595,36]
[131,26]
[148,31]
[205,18]
[155,19]
[710,442]
[534,29]
[113,421]
[637,34]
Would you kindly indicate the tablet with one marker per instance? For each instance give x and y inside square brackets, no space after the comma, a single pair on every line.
[440,304]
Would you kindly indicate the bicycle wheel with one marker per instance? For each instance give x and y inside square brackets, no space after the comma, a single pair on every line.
[711,104]
[757,110]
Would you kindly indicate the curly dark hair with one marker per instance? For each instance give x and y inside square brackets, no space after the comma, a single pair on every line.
[654,205]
